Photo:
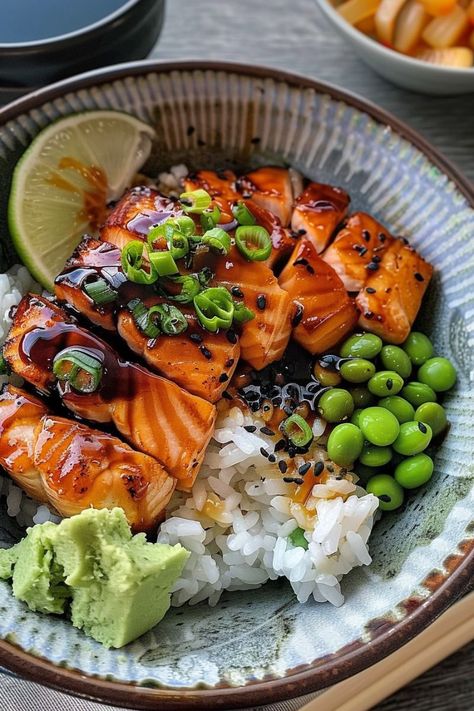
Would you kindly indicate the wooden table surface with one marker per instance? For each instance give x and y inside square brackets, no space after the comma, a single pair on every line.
[293,35]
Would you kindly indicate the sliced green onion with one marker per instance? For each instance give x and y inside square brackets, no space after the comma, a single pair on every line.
[241,313]
[4,367]
[163,263]
[210,217]
[217,240]
[195,201]
[190,287]
[80,368]
[100,292]
[132,261]
[145,318]
[214,308]
[185,225]
[176,241]
[242,214]
[297,430]
[297,538]
[172,321]
[253,242]
[205,276]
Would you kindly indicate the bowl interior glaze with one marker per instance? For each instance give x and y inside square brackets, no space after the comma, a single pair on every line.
[261,645]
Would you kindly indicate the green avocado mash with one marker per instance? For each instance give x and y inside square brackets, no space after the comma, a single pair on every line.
[116,585]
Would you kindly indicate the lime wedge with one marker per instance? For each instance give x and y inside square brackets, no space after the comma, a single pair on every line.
[63,181]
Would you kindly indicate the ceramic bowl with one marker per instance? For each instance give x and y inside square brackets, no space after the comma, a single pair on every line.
[402,70]
[260,646]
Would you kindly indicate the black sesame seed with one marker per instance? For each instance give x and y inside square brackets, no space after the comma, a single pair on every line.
[255,140]
[366,235]
[293,480]
[294,234]
[229,363]
[370,290]
[206,352]
[298,315]
[226,395]
[235,291]
[318,468]
[301,261]
[369,314]
[282,466]
[419,277]
[382,237]
[250,428]
[223,377]
[301,232]
[267,431]
[261,301]
[196,337]
[363,251]
[309,269]
[263,452]
[422,427]
[385,498]
[304,468]
[231,336]
[190,130]
[272,458]
[281,444]
[376,258]
[372,266]
[389,383]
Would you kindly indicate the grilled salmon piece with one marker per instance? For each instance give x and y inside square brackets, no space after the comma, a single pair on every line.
[326,312]
[220,185]
[199,361]
[71,466]
[357,247]
[270,188]
[264,338]
[318,211]
[282,240]
[393,293]
[133,216]
[152,413]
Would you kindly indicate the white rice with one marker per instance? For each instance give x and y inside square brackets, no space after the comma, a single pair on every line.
[237,520]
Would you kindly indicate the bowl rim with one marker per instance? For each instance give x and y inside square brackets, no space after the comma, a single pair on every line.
[358,36]
[57,40]
[332,669]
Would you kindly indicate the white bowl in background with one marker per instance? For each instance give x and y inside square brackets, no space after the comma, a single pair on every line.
[402,70]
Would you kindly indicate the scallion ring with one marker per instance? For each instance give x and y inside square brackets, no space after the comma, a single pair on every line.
[195,201]
[80,367]
[163,263]
[214,308]
[172,321]
[242,214]
[100,292]
[241,313]
[297,430]
[145,318]
[253,242]
[217,240]
[210,217]
[190,287]
[185,225]
[132,263]
[205,275]
[169,234]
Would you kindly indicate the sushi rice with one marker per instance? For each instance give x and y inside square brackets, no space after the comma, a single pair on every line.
[237,520]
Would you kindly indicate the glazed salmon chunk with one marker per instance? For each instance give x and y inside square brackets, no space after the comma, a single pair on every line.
[270,188]
[72,467]
[391,298]
[318,211]
[154,414]
[325,312]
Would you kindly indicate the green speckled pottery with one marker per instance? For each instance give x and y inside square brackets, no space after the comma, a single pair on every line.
[260,646]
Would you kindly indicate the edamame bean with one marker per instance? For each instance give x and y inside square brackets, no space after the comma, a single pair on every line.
[388,491]
[362,345]
[362,397]
[357,370]
[373,456]
[345,444]
[335,405]
[326,376]
[434,415]
[418,347]
[395,358]
[413,438]
[418,393]
[379,426]
[438,373]
[356,416]
[398,406]
[385,382]
[414,471]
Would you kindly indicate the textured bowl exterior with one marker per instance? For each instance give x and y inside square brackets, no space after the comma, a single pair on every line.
[258,646]
[398,68]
